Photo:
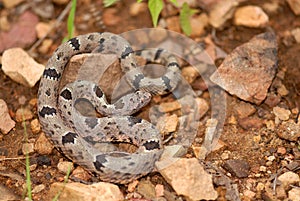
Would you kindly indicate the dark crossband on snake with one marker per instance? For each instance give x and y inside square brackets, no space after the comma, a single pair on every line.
[77,137]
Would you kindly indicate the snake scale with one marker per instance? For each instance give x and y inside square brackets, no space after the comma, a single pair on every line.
[82,137]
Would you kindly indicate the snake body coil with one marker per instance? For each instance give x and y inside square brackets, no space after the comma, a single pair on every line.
[79,138]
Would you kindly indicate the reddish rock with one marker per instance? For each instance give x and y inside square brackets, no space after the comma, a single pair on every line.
[249,70]
[251,123]
[21,34]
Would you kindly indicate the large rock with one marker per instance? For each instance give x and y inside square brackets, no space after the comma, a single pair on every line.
[251,16]
[188,178]
[78,192]
[249,70]
[22,33]
[20,67]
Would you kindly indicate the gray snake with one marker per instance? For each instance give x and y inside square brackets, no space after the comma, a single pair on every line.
[80,138]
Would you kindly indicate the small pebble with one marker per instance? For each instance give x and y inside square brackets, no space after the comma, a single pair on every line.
[167,124]
[81,174]
[43,160]
[45,46]
[190,74]
[27,148]
[260,186]
[198,24]
[169,106]
[132,186]
[225,155]
[42,145]
[38,188]
[23,113]
[65,166]
[173,24]
[249,194]
[263,168]
[35,126]
[281,150]
[251,16]
[33,167]
[269,163]
[282,113]
[159,190]
[42,29]
[271,158]
[137,8]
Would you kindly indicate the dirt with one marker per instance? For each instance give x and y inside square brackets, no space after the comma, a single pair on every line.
[241,143]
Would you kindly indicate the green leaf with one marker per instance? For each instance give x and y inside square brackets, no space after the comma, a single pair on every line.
[108,3]
[139,1]
[155,7]
[71,18]
[184,18]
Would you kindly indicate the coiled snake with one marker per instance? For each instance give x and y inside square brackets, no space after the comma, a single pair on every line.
[77,137]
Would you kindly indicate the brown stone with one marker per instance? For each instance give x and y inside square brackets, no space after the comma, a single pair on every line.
[249,70]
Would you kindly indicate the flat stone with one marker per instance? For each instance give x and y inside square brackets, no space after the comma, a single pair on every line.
[250,16]
[167,124]
[23,114]
[237,167]
[295,6]
[20,67]
[42,145]
[248,123]
[6,123]
[21,33]
[169,106]
[78,192]
[249,70]
[221,12]
[294,194]
[282,113]
[289,178]
[38,188]
[244,109]
[188,178]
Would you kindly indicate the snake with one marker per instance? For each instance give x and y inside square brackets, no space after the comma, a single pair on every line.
[82,138]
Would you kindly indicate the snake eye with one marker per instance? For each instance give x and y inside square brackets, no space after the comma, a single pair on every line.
[151,144]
